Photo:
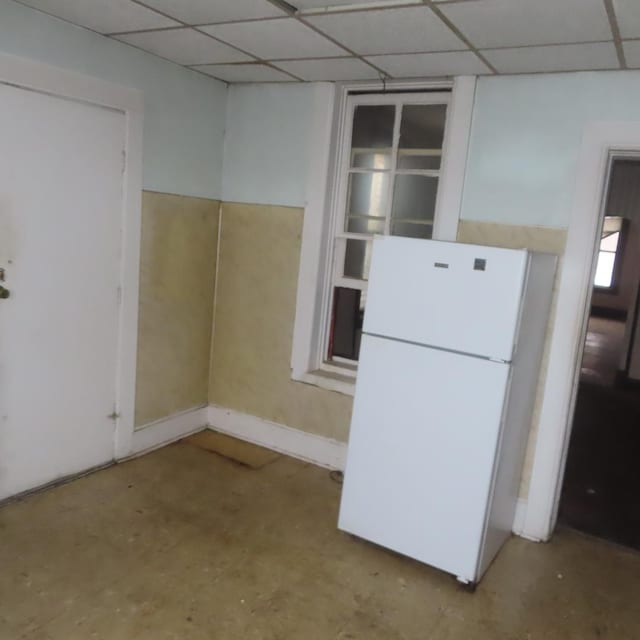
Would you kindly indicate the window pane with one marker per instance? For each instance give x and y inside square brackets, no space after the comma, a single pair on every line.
[357,258]
[368,193]
[372,129]
[365,225]
[366,159]
[373,126]
[610,242]
[421,128]
[414,198]
[346,327]
[604,269]
[411,230]
[409,159]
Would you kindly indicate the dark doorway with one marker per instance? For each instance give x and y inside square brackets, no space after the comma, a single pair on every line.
[601,490]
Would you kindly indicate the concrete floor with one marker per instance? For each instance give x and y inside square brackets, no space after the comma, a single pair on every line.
[185,544]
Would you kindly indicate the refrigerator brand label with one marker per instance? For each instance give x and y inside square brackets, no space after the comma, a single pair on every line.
[479,264]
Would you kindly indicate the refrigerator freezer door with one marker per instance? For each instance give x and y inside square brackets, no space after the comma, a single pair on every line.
[448,295]
[421,454]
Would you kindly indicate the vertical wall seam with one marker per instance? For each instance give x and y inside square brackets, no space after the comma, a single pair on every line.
[215,301]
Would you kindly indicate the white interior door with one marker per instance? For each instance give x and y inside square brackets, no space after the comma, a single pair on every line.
[61,191]
[422,449]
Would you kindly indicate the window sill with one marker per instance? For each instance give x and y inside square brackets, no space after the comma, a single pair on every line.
[327,380]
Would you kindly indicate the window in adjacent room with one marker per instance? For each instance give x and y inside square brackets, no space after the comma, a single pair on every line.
[609,254]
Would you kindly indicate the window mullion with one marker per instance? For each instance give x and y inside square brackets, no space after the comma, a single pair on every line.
[394,162]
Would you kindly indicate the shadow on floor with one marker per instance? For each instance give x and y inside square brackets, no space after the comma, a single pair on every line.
[601,491]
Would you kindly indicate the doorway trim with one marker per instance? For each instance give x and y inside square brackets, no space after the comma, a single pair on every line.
[36,76]
[602,142]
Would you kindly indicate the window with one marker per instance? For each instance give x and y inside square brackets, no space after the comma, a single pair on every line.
[399,172]
[387,184]
[609,252]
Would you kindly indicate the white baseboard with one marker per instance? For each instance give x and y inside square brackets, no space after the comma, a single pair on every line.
[324,452]
[321,451]
[167,430]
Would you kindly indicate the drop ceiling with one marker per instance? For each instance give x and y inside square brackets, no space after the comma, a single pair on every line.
[311,40]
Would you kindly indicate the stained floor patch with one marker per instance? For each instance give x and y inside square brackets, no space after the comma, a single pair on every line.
[245,453]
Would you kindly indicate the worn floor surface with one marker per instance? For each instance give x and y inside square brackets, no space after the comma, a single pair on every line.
[602,478]
[185,544]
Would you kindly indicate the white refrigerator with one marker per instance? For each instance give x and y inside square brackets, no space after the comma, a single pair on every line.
[450,354]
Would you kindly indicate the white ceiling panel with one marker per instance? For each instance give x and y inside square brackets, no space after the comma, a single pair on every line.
[565,57]
[389,31]
[628,14]
[305,5]
[329,69]
[184,46]
[272,39]
[632,53]
[513,23]
[245,73]
[450,63]
[209,11]
[105,17]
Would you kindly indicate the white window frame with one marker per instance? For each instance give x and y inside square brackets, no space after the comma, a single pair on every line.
[397,99]
[331,127]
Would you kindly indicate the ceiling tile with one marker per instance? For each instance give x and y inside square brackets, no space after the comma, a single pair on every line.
[450,63]
[207,12]
[272,39]
[184,46]
[245,73]
[628,14]
[632,53]
[305,5]
[389,31]
[513,23]
[564,57]
[105,17]
[331,69]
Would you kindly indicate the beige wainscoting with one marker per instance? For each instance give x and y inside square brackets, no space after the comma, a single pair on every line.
[254,317]
[177,280]
[544,239]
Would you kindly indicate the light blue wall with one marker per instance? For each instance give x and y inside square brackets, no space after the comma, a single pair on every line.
[184,111]
[268,143]
[526,137]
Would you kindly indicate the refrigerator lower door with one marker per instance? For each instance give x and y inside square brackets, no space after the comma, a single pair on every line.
[422,449]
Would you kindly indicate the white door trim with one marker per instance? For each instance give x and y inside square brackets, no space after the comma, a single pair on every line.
[28,74]
[602,141]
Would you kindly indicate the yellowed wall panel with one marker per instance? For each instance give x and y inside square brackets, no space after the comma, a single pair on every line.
[255,312]
[544,239]
[177,279]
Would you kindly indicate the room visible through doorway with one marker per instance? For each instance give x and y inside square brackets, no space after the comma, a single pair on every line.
[601,490]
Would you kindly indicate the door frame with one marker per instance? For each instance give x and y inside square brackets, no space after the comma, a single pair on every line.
[602,143]
[36,76]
